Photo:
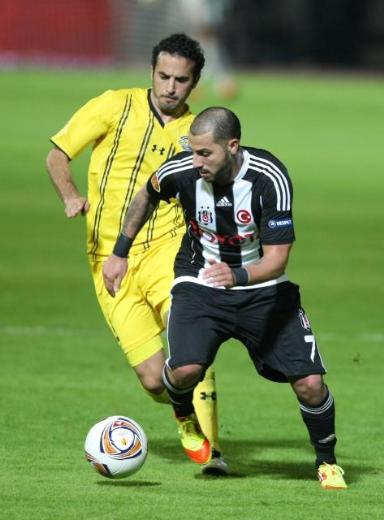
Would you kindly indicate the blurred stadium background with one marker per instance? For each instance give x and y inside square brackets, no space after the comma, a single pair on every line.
[253,32]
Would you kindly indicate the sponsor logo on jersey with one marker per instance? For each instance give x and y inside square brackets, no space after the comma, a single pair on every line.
[184,143]
[224,203]
[304,320]
[243,216]
[219,238]
[274,224]
[155,183]
[205,216]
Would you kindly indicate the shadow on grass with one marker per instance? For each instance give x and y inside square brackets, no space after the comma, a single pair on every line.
[129,483]
[248,458]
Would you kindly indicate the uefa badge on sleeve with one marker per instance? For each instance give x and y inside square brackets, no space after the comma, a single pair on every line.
[155,183]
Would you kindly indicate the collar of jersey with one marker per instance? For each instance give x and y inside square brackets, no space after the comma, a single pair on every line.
[156,113]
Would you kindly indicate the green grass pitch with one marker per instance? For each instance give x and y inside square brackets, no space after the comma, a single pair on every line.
[61,370]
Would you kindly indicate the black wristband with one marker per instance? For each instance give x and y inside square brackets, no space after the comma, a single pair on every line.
[122,246]
[240,275]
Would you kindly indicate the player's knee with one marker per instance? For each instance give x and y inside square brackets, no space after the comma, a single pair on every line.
[151,384]
[310,389]
[187,375]
[149,373]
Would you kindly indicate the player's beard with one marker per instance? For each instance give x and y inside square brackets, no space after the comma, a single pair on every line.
[170,107]
[224,176]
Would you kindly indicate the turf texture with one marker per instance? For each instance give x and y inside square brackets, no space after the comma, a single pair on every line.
[61,370]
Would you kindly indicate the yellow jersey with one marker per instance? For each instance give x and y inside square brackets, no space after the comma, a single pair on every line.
[130,142]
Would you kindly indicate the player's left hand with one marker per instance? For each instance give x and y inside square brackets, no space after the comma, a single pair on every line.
[76,206]
[114,270]
[218,274]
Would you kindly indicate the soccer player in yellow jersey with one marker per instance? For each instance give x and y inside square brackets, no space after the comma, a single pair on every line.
[133,131]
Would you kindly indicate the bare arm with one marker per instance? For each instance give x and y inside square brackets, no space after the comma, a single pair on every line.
[61,177]
[138,212]
[116,265]
[271,265]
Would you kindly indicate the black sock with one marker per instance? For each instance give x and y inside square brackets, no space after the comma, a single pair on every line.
[181,398]
[320,422]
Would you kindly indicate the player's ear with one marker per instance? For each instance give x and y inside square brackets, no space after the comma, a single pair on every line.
[233,146]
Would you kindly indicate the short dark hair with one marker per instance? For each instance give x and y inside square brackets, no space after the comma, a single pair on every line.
[182,45]
[222,122]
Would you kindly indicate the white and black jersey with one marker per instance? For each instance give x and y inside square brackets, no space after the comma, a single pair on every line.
[227,223]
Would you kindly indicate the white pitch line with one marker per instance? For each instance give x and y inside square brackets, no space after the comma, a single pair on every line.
[40,330]
[365,337]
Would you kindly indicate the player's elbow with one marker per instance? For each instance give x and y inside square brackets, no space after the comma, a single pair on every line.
[55,158]
[278,271]
[278,259]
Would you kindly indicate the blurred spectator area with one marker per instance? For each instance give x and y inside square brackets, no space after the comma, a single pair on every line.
[254,33]
[322,32]
[50,31]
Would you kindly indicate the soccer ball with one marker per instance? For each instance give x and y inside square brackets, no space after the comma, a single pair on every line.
[116,446]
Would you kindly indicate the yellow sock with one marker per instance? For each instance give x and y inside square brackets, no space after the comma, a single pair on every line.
[205,403]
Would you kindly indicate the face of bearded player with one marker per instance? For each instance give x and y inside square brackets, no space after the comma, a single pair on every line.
[172,82]
[216,161]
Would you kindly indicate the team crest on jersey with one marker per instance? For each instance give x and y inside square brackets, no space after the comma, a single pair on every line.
[243,216]
[184,143]
[304,320]
[205,216]
[155,183]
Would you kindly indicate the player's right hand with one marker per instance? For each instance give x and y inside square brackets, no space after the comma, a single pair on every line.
[76,206]
[114,270]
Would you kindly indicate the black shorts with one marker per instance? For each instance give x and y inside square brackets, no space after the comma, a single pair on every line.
[269,321]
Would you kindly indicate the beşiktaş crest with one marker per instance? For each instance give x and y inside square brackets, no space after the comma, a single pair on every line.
[304,320]
[205,215]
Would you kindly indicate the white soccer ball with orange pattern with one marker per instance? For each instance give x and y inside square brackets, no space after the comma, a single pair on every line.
[116,446]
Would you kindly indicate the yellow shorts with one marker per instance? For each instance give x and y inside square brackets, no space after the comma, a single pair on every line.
[136,314]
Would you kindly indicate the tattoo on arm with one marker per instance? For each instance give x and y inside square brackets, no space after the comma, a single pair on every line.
[138,212]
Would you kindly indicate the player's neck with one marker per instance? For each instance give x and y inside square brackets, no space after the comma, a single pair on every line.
[237,163]
[239,159]
[167,118]
[230,171]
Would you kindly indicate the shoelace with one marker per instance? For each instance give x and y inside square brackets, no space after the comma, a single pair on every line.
[188,427]
[335,468]
[336,471]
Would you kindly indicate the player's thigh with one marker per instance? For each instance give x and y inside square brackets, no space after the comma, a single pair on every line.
[196,325]
[133,322]
[286,346]
[296,348]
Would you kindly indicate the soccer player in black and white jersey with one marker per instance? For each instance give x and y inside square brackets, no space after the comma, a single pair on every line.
[230,279]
